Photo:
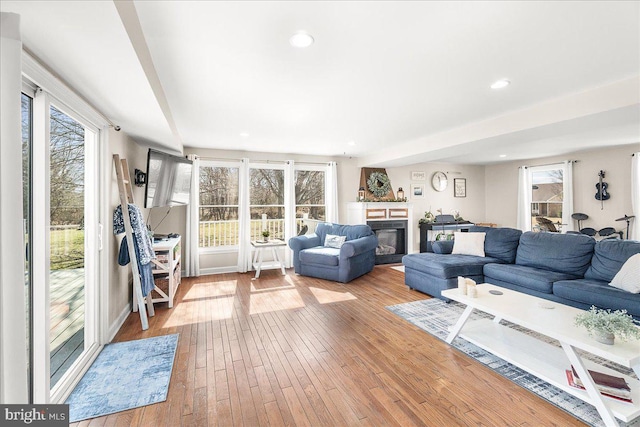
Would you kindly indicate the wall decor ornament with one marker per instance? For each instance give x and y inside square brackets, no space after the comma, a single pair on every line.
[379,184]
[418,176]
[459,187]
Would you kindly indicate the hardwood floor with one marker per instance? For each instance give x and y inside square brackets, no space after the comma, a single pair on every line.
[293,350]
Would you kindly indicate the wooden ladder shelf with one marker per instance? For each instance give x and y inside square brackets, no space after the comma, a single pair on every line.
[126,198]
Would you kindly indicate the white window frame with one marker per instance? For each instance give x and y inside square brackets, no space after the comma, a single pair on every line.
[218,249]
[273,166]
[312,167]
[53,91]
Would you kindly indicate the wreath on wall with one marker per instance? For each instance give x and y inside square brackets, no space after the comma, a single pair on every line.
[379,184]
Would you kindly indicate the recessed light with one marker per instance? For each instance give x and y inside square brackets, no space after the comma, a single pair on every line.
[351,143]
[500,84]
[244,134]
[301,39]
[502,156]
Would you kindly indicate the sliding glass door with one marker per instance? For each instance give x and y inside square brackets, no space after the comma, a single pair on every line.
[67,242]
[63,188]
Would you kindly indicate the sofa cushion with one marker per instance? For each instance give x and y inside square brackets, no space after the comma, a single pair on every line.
[608,258]
[628,278]
[500,243]
[320,255]
[351,231]
[468,244]
[446,266]
[562,253]
[598,293]
[527,277]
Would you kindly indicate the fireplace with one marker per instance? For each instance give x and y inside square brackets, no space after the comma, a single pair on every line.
[392,240]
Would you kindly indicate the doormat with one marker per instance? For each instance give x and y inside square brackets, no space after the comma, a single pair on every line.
[435,317]
[125,375]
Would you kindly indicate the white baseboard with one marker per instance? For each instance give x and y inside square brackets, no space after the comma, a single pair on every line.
[115,327]
[218,270]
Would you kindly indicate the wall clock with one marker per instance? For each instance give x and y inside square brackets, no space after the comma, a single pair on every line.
[439,181]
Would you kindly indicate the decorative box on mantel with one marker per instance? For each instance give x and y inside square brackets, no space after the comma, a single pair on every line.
[393,224]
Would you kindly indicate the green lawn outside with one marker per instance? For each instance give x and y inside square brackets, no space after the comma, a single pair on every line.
[67,249]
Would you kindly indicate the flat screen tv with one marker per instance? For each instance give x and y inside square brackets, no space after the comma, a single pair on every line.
[168,180]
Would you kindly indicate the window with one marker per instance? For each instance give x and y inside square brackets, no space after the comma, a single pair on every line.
[266,202]
[310,196]
[218,205]
[547,196]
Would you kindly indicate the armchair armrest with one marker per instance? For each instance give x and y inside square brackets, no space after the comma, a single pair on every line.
[355,247]
[299,243]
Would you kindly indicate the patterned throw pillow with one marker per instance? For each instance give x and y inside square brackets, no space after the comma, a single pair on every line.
[628,278]
[333,241]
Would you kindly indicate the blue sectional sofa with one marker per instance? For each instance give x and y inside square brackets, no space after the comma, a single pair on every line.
[354,258]
[572,269]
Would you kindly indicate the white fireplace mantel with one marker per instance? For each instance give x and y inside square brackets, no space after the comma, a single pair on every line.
[361,212]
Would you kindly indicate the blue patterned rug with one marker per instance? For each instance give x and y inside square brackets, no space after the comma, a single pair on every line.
[435,317]
[125,375]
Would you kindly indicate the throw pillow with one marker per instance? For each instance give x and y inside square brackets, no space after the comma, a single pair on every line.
[333,241]
[628,278]
[468,243]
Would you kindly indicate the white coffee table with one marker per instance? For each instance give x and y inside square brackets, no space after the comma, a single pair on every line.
[544,360]
[259,264]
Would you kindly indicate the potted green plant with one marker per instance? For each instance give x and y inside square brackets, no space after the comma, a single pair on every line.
[265,235]
[606,325]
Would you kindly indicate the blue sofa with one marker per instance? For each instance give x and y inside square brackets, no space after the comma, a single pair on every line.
[570,269]
[355,258]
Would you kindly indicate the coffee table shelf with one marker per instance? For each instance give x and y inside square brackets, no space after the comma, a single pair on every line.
[540,358]
[545,361]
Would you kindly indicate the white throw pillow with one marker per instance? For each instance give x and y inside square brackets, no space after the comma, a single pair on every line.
[333,241]
[468,243]
[628,278]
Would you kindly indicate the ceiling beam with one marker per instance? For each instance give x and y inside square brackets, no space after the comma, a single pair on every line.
[618,95]
[131,22]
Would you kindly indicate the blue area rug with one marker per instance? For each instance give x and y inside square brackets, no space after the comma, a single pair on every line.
[125,375]
[435,317]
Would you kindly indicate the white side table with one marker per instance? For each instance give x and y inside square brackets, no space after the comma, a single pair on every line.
[260,247]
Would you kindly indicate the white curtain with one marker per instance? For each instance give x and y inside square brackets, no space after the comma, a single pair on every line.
[567,197]
[332,193]
[191,253]
[524,199]
[244,218]
[634,229]
[290,228]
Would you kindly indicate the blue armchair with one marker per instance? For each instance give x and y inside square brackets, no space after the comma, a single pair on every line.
[354,258]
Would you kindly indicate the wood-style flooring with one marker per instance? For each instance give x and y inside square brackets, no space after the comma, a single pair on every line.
[292,350]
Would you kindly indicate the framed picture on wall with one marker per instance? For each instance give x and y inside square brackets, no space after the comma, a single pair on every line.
[418,176]
[459,187]
[417,191]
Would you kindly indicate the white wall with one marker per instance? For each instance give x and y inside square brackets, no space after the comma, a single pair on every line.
[501,186]
[471,208]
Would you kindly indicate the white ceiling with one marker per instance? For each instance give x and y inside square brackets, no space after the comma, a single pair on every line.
[407,81]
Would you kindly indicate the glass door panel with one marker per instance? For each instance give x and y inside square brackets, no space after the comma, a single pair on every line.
[67,242]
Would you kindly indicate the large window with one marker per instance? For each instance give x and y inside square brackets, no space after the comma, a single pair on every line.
[218,205]
[310,197]
[266,202]
[547,198]
[268,194]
